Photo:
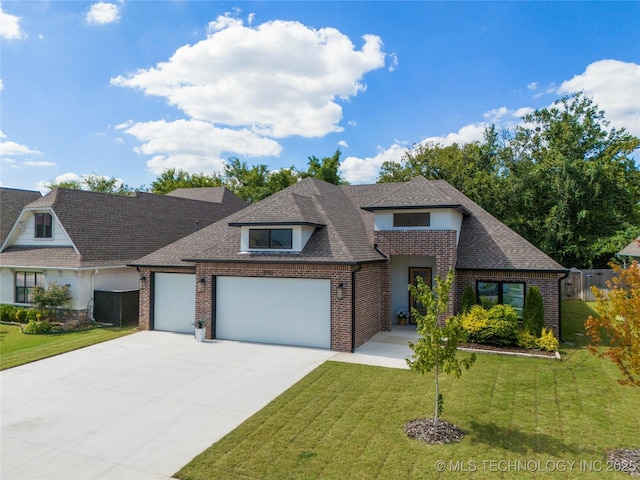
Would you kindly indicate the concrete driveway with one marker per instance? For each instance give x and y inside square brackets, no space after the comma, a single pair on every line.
[138,407]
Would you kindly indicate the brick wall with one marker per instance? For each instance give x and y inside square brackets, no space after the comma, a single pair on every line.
[440,244]
[546,282]
[369,281]
[338,274]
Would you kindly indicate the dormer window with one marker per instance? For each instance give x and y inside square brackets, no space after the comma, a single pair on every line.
[412,219]
[43,225]
[271,238]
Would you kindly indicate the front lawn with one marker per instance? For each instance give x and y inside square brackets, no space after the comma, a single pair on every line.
[16,348]
[523,418]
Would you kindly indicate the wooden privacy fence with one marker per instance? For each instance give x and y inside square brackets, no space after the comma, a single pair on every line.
[577,286]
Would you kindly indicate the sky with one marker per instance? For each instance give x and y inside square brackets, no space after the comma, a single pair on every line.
[128,89]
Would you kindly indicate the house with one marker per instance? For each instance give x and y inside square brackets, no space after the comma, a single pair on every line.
[12,201]
[86,239]
[327,266]
[631,251]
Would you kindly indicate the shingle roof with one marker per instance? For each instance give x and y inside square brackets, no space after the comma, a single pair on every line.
[348,232]
[211,194]
[111,229]
[631,250]
[11,202]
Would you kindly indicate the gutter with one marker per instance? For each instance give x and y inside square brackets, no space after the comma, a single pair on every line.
[560,303]
[353,307]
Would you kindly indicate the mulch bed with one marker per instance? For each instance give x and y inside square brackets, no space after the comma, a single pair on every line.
[624,460]
[424,430]
[513,350]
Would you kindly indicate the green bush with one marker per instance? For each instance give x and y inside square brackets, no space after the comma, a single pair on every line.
[468,299]
[547,341]
[502,326]
[37,327]
[7,313]
[496,326]
[21,315]
[475,322]
[526,340]
[533,314]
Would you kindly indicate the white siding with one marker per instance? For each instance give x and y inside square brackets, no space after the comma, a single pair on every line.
[25,232]
[441,219]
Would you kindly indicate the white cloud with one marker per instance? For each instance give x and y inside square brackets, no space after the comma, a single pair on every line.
[365,170]
[473,132]
[277,79]
[102,13]
[194,145]
[615,87]
[10,26]
[343,144]
[8,147]
[533,86]
[1,85]
[32,163]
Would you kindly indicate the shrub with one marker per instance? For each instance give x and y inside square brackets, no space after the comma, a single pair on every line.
[547,341]
[7,313]
[37,327]
[533,314]
[526,340]
[502,326]
[55,297]
[468,299]
[475,322]
[21,315]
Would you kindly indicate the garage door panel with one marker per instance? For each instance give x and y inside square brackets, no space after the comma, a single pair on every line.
[174,302]
[285,311]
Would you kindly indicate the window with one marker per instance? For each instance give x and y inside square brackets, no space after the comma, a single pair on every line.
[25,284]
[43,225]
[506,293]
[412,219]
[276,238]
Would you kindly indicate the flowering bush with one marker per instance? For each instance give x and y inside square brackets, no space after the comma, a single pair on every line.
[402,313]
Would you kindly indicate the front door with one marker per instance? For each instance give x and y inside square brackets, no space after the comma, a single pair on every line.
[414,273]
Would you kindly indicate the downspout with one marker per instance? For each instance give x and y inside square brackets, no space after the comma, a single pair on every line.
[353,307]
[93,276]
[560,304]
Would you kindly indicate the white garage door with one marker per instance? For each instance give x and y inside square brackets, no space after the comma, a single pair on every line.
[286,311]
[174,305]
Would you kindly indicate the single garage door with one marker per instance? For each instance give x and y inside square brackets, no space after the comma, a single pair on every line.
[285,311]
[174,304]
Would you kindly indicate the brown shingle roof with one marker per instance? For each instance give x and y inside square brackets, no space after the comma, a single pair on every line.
[111,229]
[347,235]
[11,202]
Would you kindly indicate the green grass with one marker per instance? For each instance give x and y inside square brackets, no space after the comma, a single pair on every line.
[345,421]
[17,348]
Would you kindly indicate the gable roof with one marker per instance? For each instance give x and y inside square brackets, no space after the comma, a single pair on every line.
[12,201]
[108,229]
[344,215]
[219,195]
[631,250]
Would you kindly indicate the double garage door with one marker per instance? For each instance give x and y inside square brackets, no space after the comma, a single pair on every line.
[285,311]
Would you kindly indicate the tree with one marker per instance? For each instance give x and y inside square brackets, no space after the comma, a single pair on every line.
[574,189]
[469,299]
[619,321]
[54,297]
[172,179]
[325,169]
[437,345]
[94,183]
[533,313]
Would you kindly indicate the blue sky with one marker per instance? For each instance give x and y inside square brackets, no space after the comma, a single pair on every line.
[130,88]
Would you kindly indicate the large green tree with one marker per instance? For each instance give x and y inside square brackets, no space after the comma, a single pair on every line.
[573,185]
[325,169]
[94,183]
[172,179]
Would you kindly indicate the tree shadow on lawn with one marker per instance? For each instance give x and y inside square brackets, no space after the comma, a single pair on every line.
[522,443]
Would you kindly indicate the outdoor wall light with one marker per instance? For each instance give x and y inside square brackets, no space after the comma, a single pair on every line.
[201,284]
[142,282]
[340,291]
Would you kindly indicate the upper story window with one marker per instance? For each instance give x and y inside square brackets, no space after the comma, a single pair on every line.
[412,219]
[43,225]
[271,238]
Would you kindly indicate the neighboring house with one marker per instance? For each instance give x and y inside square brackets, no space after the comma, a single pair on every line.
[327,266]
[631,251]
[86,239]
